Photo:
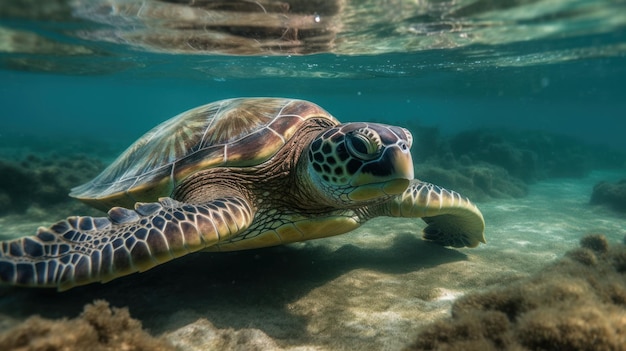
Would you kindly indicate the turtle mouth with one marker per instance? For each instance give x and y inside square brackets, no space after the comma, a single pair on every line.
[378,190]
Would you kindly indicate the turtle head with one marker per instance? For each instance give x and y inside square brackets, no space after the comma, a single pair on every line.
[357,163]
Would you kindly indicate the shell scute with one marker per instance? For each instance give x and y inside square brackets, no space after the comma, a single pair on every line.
[229,133]
[250,150]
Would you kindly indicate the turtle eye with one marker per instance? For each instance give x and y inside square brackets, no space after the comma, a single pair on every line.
[363,143]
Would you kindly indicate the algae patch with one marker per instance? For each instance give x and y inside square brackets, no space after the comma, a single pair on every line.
[98,328]
[577,303]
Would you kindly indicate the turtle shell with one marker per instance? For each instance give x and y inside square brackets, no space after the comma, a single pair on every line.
[239,132]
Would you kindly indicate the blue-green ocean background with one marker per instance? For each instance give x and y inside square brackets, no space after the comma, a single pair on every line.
[584,98]
[80,80]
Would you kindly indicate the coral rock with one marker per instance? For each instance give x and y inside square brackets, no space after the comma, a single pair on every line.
[611,195]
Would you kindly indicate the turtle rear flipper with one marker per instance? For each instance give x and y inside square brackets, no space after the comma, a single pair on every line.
[81,250]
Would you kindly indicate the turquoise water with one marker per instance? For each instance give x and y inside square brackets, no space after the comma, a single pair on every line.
[70,69]
[517,104]
[581,98]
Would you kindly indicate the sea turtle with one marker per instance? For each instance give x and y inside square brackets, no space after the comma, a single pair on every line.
[237,174]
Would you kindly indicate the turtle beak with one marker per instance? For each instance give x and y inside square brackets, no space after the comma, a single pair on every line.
[395,163]
[403,170]
[394,173]
[403,162]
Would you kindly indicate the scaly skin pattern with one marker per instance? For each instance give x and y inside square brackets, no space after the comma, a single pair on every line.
[453,220]
[80,250]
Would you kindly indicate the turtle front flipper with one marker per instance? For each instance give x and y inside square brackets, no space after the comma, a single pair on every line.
[453,220]
[81,250]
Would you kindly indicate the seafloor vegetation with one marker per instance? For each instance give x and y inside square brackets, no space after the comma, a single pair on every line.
[576,303]
[36,174]
[489,163]
[98,328]
[42,182]
[609,194]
